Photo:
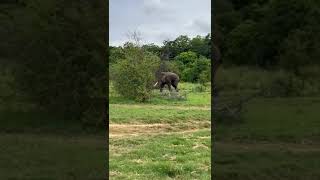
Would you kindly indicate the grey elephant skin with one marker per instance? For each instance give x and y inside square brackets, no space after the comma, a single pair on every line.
[169,78]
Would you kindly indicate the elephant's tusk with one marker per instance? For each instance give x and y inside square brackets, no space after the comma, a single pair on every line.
[155,84]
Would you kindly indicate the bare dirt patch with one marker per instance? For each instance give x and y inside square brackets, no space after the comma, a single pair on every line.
[287,147]
[204,108]
[131,130]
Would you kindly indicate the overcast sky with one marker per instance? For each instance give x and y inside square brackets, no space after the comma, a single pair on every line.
[158,20]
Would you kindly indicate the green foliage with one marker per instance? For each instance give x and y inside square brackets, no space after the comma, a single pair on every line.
[201,45]
[275,83]
[134,75]
[188,75]
[183,56]
[205,76]
[179,45]
[187,58]
[173,66]
[61,54]
[283,84]
[193,68]
[241,42]
[268,33]
[7,86]
[155,49]
[115,53]
[299,50]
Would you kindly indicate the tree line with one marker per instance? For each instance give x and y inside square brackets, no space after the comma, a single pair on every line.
[188,57]
[268,34]
[277,37]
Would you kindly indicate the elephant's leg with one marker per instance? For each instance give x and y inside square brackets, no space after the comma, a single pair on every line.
[169,86]
[175,85]
[161,87]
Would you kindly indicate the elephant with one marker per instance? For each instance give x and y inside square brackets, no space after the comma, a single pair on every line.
[168,78]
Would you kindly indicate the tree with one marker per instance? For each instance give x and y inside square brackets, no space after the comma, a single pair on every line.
[155,49]
[187,58]
[134,75]
[115,53]
[62,56]
[201,45]
[298,50]
[241,43]
[177,46]
[191,66]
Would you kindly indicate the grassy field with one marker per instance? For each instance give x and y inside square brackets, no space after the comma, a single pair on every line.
[38,146]
[44,156]
[164,138]
[278,139]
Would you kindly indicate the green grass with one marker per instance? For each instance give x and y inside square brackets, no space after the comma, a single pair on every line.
[193,97]
[278,139]
[182,154]
[276,119]
[176,156]
[36,121]
[258,161]
[161,109]
[37,145]
[39,156]
[158,114]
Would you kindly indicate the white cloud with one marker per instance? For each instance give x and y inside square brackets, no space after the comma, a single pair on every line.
[155,8]
[150,6]
[155,34]
[159,20]
[199,25]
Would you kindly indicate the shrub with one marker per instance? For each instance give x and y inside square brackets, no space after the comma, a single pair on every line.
[196,70]
[187,58]
[61,62]
[200,88]
[133,76]
[275,83]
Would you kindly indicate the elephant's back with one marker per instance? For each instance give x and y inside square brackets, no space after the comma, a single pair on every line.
[171,74]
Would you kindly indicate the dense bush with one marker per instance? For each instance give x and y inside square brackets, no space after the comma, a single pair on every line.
[268,33]
[61,57]
[275,83]
[133,76]
[193,68]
